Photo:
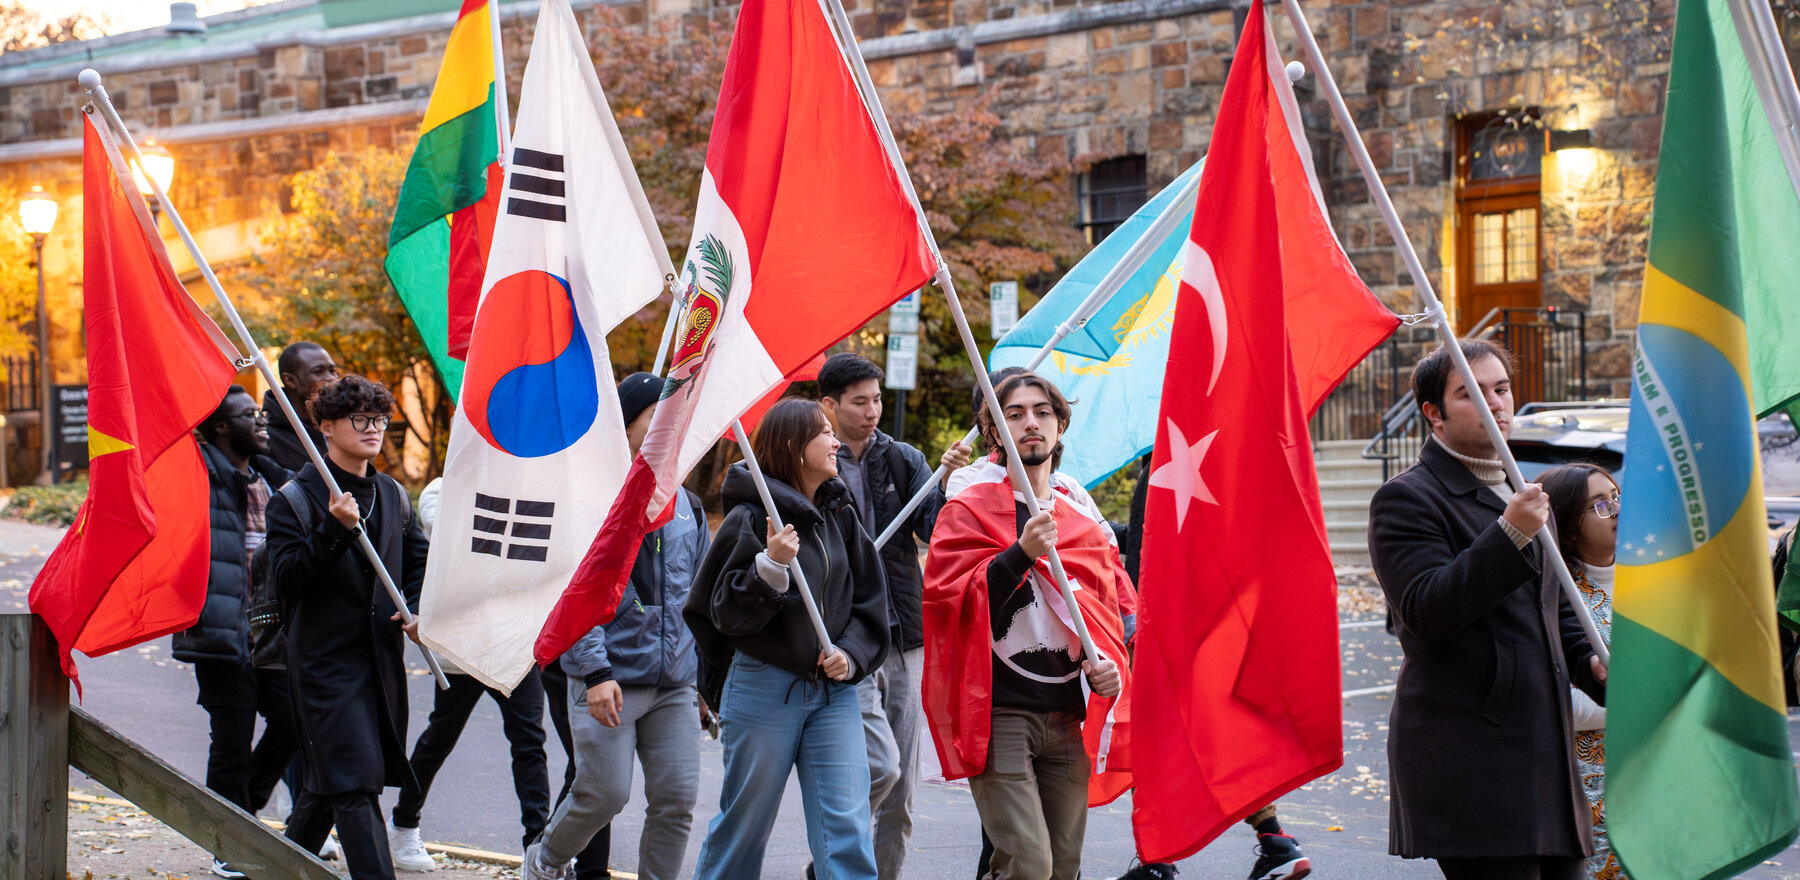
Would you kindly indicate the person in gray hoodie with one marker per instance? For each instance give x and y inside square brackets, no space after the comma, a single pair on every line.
[632,693]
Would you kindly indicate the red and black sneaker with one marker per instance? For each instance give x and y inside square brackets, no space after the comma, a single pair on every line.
[1278,857]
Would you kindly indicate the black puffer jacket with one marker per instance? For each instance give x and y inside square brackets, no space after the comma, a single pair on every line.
[732,609]
[223,630]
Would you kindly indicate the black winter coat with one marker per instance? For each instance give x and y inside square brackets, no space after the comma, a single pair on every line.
[731,608]
[900,556]
[223,630]
[284,443]
[1479,747]
[345,658]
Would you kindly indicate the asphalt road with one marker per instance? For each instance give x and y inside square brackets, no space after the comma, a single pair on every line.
[1341,820]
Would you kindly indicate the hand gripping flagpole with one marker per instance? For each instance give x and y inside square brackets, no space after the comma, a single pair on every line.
[1435,310]
[834,12]
[90,81]
[794,569]
[1135,257]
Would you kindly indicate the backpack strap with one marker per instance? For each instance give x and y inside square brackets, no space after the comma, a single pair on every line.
[296,498]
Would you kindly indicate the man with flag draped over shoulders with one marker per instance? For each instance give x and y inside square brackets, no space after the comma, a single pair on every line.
[1004,692]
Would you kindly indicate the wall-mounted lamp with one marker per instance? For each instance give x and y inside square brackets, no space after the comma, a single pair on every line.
[1577,139]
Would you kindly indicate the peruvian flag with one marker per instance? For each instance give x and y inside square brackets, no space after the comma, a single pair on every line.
[803,233]
[1236,662]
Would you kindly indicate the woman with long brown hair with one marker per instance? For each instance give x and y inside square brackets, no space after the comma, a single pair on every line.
[1584,500]
[783,700]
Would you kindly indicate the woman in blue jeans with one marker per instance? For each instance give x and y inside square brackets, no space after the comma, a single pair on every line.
[784,700]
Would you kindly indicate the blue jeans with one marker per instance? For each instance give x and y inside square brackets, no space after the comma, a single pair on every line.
[773,720]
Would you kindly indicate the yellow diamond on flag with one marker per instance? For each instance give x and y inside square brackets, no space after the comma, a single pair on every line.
[100,444]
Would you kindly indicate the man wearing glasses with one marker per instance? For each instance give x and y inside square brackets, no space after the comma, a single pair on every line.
[345,642]
[241,475]
[1479,744]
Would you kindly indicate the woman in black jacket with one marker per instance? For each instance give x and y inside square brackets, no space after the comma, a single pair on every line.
[783,700]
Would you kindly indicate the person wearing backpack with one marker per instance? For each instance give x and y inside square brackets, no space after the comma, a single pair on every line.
[239,768]
[631,695]
[344,639]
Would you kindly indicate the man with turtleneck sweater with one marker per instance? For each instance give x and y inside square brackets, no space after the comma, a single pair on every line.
[1479,744]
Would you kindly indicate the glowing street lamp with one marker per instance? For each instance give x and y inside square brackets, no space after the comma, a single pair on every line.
[159,165]
[38,214]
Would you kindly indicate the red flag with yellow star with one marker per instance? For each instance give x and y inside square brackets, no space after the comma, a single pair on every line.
[134,566]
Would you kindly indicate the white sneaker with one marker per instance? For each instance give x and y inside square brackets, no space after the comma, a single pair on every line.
[331,851]
[408,849]
[221,869]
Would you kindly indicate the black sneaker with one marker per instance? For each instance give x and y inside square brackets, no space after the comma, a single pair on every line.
[1278,857]
[1149,871]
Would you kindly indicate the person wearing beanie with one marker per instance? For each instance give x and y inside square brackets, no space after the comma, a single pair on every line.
[631,695]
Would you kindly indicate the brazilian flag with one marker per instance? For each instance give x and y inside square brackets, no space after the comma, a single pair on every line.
[1699,775]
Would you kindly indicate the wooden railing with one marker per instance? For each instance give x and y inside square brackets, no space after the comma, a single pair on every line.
[41,737]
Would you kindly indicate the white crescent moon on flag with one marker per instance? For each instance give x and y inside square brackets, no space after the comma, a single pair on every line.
[1198,272]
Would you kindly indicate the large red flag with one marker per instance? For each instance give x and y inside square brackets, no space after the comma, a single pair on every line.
[1236,660]
[134,566]
[803,233]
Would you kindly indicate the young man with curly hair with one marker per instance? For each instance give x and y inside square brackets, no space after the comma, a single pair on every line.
[345,642]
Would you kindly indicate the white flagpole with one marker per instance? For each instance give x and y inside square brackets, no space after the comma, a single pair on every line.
[90,81]
[662,348]
[1435,310]
[794,569]
[502,112]
[1768,62]
[1115,278]
[852,54]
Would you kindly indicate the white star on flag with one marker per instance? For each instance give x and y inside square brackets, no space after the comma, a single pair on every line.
[1181,473]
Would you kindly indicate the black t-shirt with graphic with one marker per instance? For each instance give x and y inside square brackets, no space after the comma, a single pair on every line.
[1037,660]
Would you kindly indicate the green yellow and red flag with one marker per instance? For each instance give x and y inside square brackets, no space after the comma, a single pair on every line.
[444,218]
[1699,772]
[134,566]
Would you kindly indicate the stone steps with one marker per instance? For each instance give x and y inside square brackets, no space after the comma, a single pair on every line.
[1346,483]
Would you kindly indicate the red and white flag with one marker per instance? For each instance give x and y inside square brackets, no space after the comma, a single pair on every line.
[803,233]
[1236,663]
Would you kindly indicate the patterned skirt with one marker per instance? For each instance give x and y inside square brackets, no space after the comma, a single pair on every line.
[1590,759]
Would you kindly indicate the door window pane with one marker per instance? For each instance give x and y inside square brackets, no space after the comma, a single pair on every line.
[1521,245]
[1490,248]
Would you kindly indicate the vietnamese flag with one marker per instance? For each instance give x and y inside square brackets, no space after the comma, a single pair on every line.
[134,566]
[1237,665]
[803,233]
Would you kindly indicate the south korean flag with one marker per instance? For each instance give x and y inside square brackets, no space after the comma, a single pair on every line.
[537,447]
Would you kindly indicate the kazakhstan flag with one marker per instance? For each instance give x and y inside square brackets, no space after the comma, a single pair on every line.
[1699,774]
[1112,368]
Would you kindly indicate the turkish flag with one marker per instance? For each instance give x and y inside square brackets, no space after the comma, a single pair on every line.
[803,232]
[1236,663]
[135,564]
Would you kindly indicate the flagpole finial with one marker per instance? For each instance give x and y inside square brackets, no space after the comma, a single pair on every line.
[1295,71]
[89,79]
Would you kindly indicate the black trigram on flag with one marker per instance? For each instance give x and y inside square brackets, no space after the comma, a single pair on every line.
[534,186]
[512,529]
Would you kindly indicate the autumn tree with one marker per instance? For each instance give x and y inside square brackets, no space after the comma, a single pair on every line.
[320,271]
[22,27]
[18,280]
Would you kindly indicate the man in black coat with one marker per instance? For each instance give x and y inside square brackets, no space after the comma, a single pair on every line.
[345,642]
[883,474]
[304,367]
[234,446]
[1479,746]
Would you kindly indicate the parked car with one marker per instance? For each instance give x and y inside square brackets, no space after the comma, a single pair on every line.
[1548,434]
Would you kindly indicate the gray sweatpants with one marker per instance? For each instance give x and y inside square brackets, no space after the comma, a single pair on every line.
[661,727]
[892,720]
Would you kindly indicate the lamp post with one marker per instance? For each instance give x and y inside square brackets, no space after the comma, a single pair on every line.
[38,214]
[159,164]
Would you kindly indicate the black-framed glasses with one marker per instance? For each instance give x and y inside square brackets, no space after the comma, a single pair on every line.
[364,423]
[258,416]
[1607,508]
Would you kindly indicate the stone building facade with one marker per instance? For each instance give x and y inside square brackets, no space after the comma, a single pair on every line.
[1454,99]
